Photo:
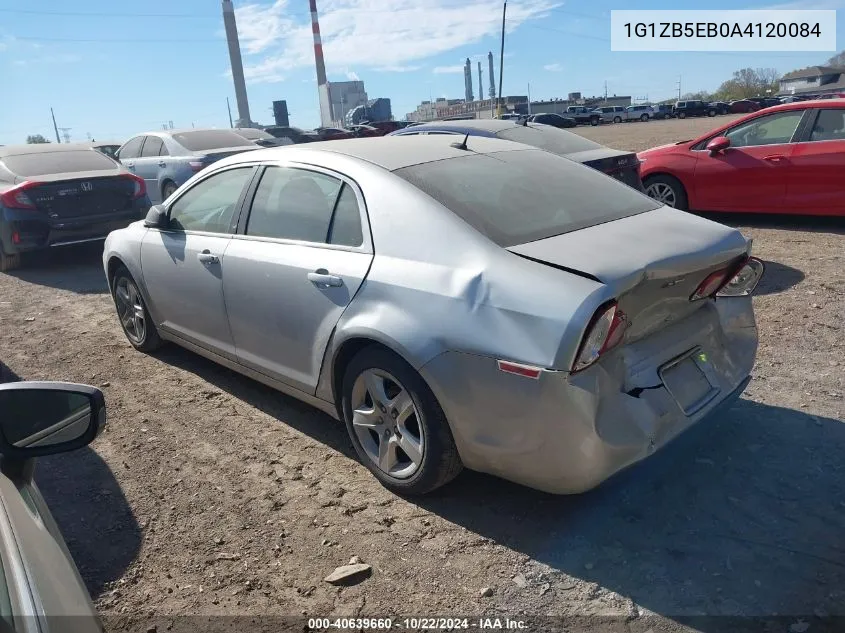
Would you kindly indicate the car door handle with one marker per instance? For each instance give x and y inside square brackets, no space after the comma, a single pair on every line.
[162,164]
[207,257]
[130,165]
[322,278]
[775,158]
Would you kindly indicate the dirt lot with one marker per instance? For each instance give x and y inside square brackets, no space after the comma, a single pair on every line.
[211,494]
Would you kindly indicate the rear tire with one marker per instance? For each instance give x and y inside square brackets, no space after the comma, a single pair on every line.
[594,121]
[644,118]
[379,431]
[167,189]
[682,115]
[134,316]
[9,262]
[617,119]
[711,113]
[668,190]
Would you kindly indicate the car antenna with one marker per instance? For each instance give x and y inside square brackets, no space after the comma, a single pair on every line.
[462,144]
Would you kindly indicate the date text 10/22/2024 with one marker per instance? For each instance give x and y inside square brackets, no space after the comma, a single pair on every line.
[417,624]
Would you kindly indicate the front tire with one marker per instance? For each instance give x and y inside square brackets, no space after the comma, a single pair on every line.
[396,424]
[594,121]
[644,118]
[134,317]
[711,113]
[682,115]
[617,119]
[668,190]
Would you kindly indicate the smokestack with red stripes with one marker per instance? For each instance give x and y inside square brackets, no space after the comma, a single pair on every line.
[322,83]
[237,65]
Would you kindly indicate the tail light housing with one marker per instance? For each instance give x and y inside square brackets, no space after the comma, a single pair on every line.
[16,198]
[605,331]
[140,185]
[197,165]
[745,280]
[711,284]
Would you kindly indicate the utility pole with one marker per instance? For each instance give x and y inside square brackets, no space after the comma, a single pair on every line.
[605,91]
[502,57]
[529,99]
[229,108]
[679,87]
[58,140]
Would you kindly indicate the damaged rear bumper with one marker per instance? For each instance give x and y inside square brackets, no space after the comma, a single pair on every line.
[566,433]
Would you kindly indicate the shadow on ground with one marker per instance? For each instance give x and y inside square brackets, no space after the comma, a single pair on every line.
[818,224]
[743,515]
[93,515]
[778,278]
[76,268]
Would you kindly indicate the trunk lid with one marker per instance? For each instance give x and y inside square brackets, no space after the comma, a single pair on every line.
[213,155]
[81,194]
[624,166]
[652,262]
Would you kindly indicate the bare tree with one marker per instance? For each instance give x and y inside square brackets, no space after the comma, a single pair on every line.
[749,82]
[837,60]
[36,138]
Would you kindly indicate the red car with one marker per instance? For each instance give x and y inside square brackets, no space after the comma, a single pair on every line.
[784,159]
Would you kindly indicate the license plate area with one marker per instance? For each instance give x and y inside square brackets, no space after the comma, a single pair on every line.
[686,380]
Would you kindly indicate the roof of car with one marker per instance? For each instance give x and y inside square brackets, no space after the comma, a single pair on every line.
[392,152]
[37,148]
[802,105]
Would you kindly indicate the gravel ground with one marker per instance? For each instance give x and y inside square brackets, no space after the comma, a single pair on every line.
[211,494]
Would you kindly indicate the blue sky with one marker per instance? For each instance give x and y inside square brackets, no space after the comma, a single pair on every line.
[116,69]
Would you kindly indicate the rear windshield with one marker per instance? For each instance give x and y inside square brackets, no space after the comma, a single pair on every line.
[550,139]
[516,197]
[209,139]
[254,134]
[44,163]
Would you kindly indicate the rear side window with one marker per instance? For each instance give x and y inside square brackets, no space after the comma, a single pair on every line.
[830,126]
[43,163]
[132,148]
[152,146]
[210,204]
[293,204]
[515,197]
[345,227]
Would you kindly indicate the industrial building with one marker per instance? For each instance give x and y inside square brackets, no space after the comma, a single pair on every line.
[374,110]
[345,96]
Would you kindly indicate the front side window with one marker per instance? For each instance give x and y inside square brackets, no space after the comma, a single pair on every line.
[293,204]
[772,129]
[210,204]
[830,126]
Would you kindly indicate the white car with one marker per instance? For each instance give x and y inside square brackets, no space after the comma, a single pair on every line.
[611,114]
[639,113]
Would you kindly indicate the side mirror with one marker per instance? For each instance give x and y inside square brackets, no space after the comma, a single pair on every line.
[44,418]
[718,144]
[156,217]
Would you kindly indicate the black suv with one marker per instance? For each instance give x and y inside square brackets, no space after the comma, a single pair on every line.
[693,107]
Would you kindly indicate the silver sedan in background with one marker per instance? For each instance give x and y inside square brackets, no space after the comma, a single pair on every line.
[456,301]
[167,159]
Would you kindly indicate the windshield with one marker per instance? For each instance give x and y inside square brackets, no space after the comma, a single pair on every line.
[552,140]
[521,196]
[44,163]
[201,140]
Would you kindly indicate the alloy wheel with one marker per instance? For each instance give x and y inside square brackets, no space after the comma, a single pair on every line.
[386,423]
[662,192]
[130,309]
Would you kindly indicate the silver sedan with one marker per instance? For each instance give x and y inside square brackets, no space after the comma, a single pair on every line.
[466,302]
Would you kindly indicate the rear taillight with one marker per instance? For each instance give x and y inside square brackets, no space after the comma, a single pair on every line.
[711,284]
[140,185]
[605,331]
[16,198]
[197,165]
[745,280]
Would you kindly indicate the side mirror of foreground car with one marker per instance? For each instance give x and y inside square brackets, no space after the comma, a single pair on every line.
[44,418]
[156,217]
[718,144]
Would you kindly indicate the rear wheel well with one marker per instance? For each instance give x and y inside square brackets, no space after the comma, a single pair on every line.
[348,350]
[164,184]
[113,265]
